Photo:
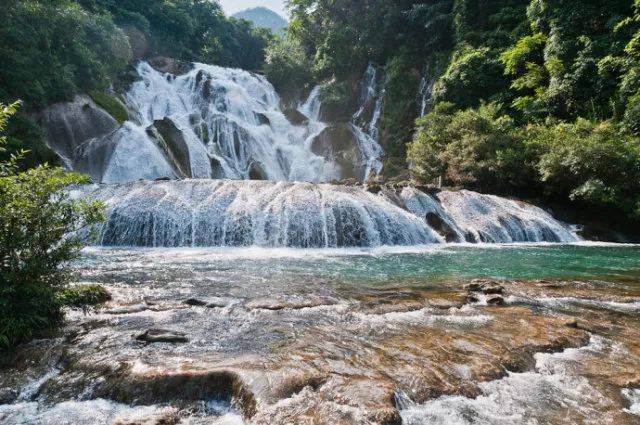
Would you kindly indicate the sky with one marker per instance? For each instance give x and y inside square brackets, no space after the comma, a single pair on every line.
[233,6]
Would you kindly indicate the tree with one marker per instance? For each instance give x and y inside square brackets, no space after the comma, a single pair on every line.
[38,219]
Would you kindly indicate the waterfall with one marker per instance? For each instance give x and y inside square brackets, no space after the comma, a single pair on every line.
[366,132]
[212,122]
[285,214]
[425,93]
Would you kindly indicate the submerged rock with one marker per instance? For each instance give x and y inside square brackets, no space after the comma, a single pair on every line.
[162,335]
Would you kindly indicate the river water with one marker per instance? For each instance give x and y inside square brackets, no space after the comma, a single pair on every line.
[384,335]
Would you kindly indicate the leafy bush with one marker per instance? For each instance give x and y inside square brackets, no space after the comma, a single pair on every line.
[477,148]
[593,163]
[37,217]
[84,296]
[287,67]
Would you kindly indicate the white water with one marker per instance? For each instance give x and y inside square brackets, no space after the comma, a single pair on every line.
[281,214]
[231,123]
[425,93]
[536,397]
[366,132]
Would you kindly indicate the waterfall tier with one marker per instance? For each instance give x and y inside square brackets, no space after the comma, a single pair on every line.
[283,214]
[210,123]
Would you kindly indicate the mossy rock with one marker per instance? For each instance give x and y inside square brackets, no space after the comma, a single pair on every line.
[111,104]
[84,296]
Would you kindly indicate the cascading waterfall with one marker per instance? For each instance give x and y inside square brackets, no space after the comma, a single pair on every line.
[285,214]
[215,132]
[223,123]
[367,133]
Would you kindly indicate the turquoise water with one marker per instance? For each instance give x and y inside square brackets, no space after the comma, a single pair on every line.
[389,266]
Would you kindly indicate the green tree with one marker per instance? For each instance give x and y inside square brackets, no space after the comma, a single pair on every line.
[37,224]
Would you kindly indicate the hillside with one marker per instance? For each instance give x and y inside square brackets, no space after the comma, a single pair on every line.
[261,17]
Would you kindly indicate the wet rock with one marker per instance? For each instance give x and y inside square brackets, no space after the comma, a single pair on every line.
[184,390]
[170,65]
[338,144]
[68,125]
[173,144]
[492,289]
[194,302]
[128,309]
[495,300]
[8,395]
[439,225]
[162,335]
[474,286]
[295,117]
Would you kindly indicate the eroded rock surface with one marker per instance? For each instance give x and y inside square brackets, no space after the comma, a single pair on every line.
[283,350]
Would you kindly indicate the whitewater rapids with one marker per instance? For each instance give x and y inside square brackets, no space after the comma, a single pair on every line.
[210,213]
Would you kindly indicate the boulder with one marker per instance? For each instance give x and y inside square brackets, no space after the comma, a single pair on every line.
[162,335]
[68,125]
[495,300]
[337,143]
[194,302]
[173,144]
[442,227]
[295,117]
[170,65]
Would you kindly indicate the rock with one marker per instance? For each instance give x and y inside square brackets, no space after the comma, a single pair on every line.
[492,289]
[170,65]
[471,299]
[373,187]
[473,287]
[137,40]
[337,143]
[8,395]
[257,172]
[495,300]
[194,302]
[68,125]
[162,335]
[439,225]
[130,309]
[295,117]
[175,147]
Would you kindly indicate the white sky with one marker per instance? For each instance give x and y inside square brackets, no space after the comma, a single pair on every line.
[233,6]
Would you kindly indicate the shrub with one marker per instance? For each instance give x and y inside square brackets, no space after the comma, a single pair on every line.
[475,148]
[84,296]
[593,163]
[37,220]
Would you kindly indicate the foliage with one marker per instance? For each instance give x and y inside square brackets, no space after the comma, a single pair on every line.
[286,65]
[54,49]
[37,216]
[111,104]
[589,163]
[477,148]
[83,297]
[593,163]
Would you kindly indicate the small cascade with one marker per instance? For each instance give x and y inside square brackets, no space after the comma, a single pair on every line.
[425,94]
[284,214]
[365,129]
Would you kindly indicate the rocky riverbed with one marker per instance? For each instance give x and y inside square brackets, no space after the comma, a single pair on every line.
[231,337]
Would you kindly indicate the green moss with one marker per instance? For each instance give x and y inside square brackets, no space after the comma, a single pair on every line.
[84,296]
[111,104]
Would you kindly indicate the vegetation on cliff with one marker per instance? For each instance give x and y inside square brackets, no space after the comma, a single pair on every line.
[536,98]
[37,220]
